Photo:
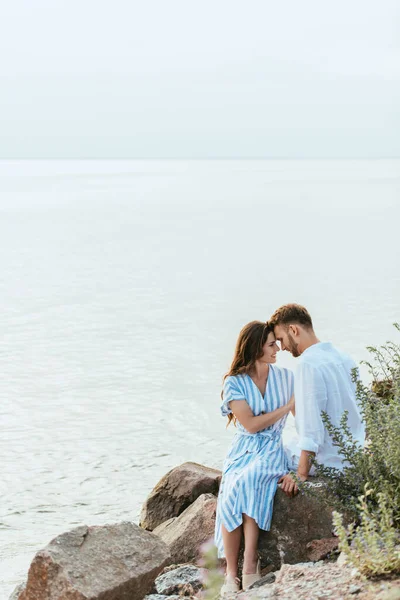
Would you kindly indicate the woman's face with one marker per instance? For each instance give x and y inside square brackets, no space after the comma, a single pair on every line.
[270,349]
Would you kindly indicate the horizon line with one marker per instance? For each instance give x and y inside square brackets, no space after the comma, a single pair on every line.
[199,158]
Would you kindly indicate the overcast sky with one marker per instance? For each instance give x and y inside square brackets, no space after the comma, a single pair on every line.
[204,78]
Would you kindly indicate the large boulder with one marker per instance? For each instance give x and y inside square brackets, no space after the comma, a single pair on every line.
[113,562]
[177,490]
[295,522]
[187,533]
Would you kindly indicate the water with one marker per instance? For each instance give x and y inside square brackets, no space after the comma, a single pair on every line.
[124,285]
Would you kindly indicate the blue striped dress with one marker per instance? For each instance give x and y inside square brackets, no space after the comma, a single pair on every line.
[255,461]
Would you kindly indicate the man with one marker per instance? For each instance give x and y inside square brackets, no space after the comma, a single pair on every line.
[323,382]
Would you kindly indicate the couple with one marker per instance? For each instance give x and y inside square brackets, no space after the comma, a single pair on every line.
[257,396]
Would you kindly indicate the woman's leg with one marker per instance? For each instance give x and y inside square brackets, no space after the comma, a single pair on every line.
[251,531]
[232,540]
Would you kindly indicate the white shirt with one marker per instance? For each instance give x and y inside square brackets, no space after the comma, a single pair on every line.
[324,382]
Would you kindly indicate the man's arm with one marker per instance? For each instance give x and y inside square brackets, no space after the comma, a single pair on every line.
[304,464]
[310,393]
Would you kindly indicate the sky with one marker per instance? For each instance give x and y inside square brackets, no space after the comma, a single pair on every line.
[199,79]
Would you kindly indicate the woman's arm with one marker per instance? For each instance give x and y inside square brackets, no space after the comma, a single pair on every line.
[293,408]
[252,424]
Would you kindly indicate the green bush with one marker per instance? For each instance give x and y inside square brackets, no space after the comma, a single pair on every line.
[368,488]
[373,547]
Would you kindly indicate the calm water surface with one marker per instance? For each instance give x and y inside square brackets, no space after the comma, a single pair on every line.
[124,285]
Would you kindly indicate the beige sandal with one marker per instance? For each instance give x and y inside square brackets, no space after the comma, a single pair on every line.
[249,578]
[231,585]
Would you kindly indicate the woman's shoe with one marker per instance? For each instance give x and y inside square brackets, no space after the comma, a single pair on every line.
[249,578]
[231,586]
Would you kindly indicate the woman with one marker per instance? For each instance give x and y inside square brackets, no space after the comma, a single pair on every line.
[257,397]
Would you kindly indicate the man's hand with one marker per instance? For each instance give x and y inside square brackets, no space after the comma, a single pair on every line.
[288,485]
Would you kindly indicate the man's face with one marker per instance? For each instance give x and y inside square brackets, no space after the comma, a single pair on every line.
[286,339]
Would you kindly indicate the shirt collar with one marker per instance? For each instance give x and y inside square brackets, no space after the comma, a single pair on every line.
[316,347]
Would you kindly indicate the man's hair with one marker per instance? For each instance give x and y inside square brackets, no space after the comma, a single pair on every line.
[292,314]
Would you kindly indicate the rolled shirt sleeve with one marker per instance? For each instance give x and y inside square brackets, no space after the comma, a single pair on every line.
[232,391]
[290,379]
[311,399]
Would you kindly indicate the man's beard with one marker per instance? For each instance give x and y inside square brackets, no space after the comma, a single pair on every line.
[293,347]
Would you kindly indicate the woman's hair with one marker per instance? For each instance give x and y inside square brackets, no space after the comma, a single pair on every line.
[249,348]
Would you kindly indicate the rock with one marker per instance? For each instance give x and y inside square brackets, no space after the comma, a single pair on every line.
[323,581]
[177,490]
[260,593]
[295,522]
[16,593]
[185,580]
[319,549]
[185,534]
[293,572]
[355,573]
[161,597]
[267,579]
[112,562]
[342,560]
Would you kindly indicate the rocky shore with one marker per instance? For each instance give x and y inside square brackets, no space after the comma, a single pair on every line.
[162,558]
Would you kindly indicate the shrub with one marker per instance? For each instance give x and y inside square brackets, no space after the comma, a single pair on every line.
[213,574]
[368,488]
[374,546]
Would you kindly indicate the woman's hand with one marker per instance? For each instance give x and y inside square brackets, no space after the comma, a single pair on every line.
[288,485]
